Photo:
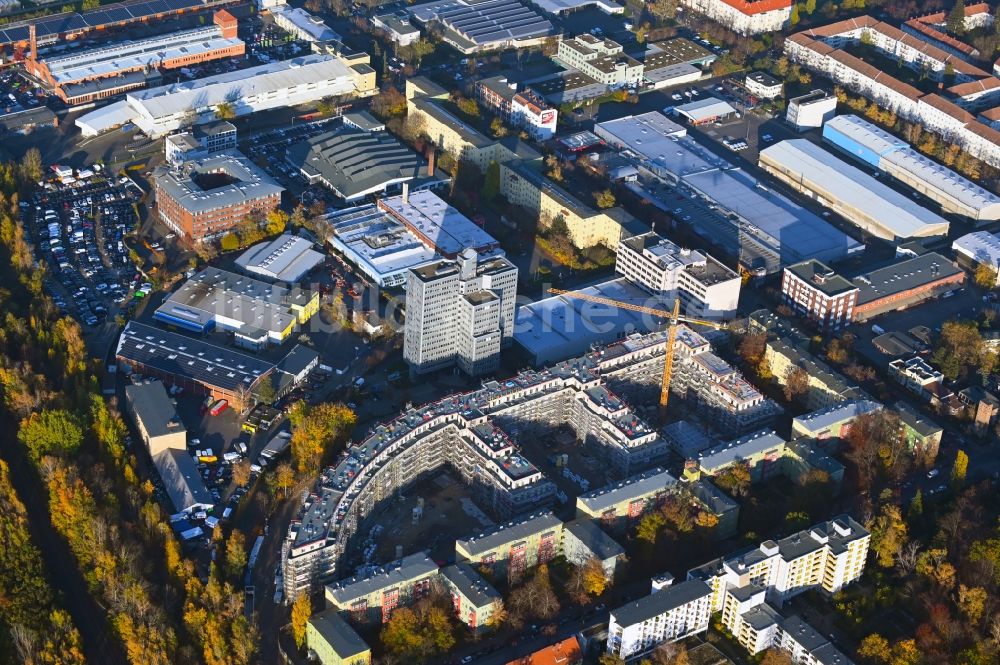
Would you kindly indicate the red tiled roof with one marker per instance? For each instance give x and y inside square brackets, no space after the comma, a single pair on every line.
[840,27]
[751,7]
[875,74]
[972,87]
[985,131]
[952,109]
[992,114]
[941,37]
[566,652]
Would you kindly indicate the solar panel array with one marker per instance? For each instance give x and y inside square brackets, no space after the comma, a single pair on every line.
[494,20]
[107,15]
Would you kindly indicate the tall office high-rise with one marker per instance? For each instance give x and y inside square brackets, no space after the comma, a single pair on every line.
[459,313]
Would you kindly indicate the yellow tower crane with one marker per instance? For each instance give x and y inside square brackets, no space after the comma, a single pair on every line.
[674,318]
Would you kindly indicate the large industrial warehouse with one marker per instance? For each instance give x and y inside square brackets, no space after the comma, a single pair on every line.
[159,111]
[485,26]
[893,156]
[849,191]
[759,220]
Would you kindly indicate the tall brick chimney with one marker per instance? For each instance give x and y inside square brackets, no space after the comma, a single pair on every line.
[431,158]
[33,39]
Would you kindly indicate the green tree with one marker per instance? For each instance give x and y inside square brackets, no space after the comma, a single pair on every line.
[225,111]
[30,167]
[810,6]
[605,199]
[793,19]
[418,634]
[916,506]
[301,611]
[889,534]
[959,470]
[229,242]
[236,554]
[50,432]
[498,128]
[491,183]
[986,276]
[316,430]
[875,648]
[649,527]
[956,18]
[265,392]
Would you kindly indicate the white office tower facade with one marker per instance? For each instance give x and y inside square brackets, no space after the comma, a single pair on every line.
[668,614]
[705,287]
[459,313]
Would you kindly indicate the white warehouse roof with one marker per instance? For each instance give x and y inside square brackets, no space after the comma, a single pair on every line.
[980,247]
[287,258]
[241,86]
[701,110]
[852,192]
[902,157]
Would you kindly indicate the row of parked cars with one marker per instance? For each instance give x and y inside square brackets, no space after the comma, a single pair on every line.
[66,225]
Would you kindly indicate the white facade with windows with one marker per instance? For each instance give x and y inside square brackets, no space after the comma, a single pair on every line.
[705,286]
[667,614]
[746,18]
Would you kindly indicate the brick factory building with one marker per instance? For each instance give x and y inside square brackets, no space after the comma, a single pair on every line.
[107,71]
[205,199]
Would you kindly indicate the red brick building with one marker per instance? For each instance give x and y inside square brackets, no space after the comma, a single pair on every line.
[205,199]
[107,71]
[817,292]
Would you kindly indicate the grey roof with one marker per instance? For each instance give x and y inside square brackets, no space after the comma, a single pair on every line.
[181,479]
[408,568]
[363,120]
[240,84]
[820,277]
[705,109]
[486,22]
[789,229]
[189,357]
[602,545]
[154,408]
[661,602]
[838,413]
[903,276]
[287,258]
[298,360]
[644,484]
[830,655]
[763,78]
[471,584]
[354,163]
[745,593]
[41,115]
[512,531]
[858,194]
[469,134]
[710,495]
[740,449]
[901,156]
[105,83]
[213,128]
[832,380]
[915,420]
[761,617]
[838,532]
[339,634]
[807,636]
[250,183]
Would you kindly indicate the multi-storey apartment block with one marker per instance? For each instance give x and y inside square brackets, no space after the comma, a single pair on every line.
[603,60]
[817,292]
[469,433]
[524,110]
[668,614]
[618,505]
[459,313]
[373,598]
[828,556]
[747,17]
[474,600]
[705,286]
[511,549]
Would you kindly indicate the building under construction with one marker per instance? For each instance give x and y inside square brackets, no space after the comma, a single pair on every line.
[82,77]
[477,434]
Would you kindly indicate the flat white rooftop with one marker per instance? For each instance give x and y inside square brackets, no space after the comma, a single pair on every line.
[980,246]
[438,223]
[701,110]
[247,86]
[126,56]
[286,258]
[308,26]
[560,6]
[857,195]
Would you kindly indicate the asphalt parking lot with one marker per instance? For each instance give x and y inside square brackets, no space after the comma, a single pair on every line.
[80,230]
